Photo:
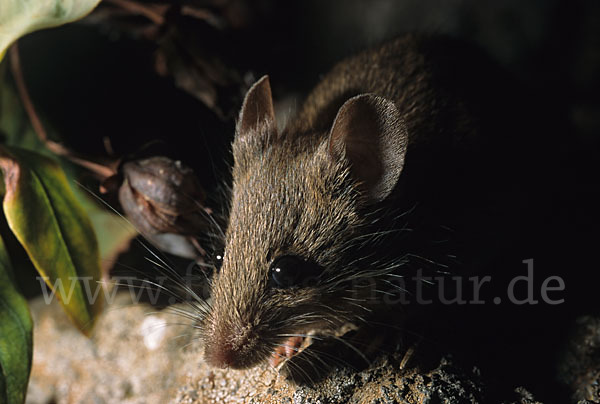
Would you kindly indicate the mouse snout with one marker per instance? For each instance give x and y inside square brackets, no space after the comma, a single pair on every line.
[233,347]
[221,356]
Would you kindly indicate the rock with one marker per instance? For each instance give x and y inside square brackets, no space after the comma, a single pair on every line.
[136,355]
[579,367]
[131,356]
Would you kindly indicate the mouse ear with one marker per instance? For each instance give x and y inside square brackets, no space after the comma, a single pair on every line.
[257,109]
[370,134]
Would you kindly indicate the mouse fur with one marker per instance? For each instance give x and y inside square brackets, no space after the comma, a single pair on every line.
[334,188]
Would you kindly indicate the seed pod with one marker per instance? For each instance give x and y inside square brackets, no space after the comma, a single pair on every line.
[160,195]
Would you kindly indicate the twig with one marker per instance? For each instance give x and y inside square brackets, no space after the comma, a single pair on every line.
[100,170]
[140,9]
[202,14]
[15,65]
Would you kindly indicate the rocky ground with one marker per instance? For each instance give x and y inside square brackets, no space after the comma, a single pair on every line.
[138,355]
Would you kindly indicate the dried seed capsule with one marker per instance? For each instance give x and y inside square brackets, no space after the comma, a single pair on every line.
[160,195]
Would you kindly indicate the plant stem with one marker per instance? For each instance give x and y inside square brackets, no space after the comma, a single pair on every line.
[101,171]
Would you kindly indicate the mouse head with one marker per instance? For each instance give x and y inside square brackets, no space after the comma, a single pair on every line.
[297,207]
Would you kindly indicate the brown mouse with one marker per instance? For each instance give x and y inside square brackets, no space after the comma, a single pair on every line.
[309,203]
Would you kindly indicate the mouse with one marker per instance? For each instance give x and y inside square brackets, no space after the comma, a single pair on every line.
[316,238]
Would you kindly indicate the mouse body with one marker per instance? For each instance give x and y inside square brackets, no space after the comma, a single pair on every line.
[315,239]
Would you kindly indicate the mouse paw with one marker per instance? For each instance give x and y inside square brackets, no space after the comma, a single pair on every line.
[309,366]
[316,361]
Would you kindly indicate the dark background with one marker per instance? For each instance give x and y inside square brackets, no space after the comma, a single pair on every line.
[98,78]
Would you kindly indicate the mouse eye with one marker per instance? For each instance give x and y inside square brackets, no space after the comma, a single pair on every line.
[219,258]
[217,261]
[289,271]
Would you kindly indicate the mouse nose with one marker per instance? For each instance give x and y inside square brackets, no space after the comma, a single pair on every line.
[233,348]
[220,357]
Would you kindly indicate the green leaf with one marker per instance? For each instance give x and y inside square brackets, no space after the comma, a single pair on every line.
[114,233]
[54,229]
[20,17]
[15,337]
